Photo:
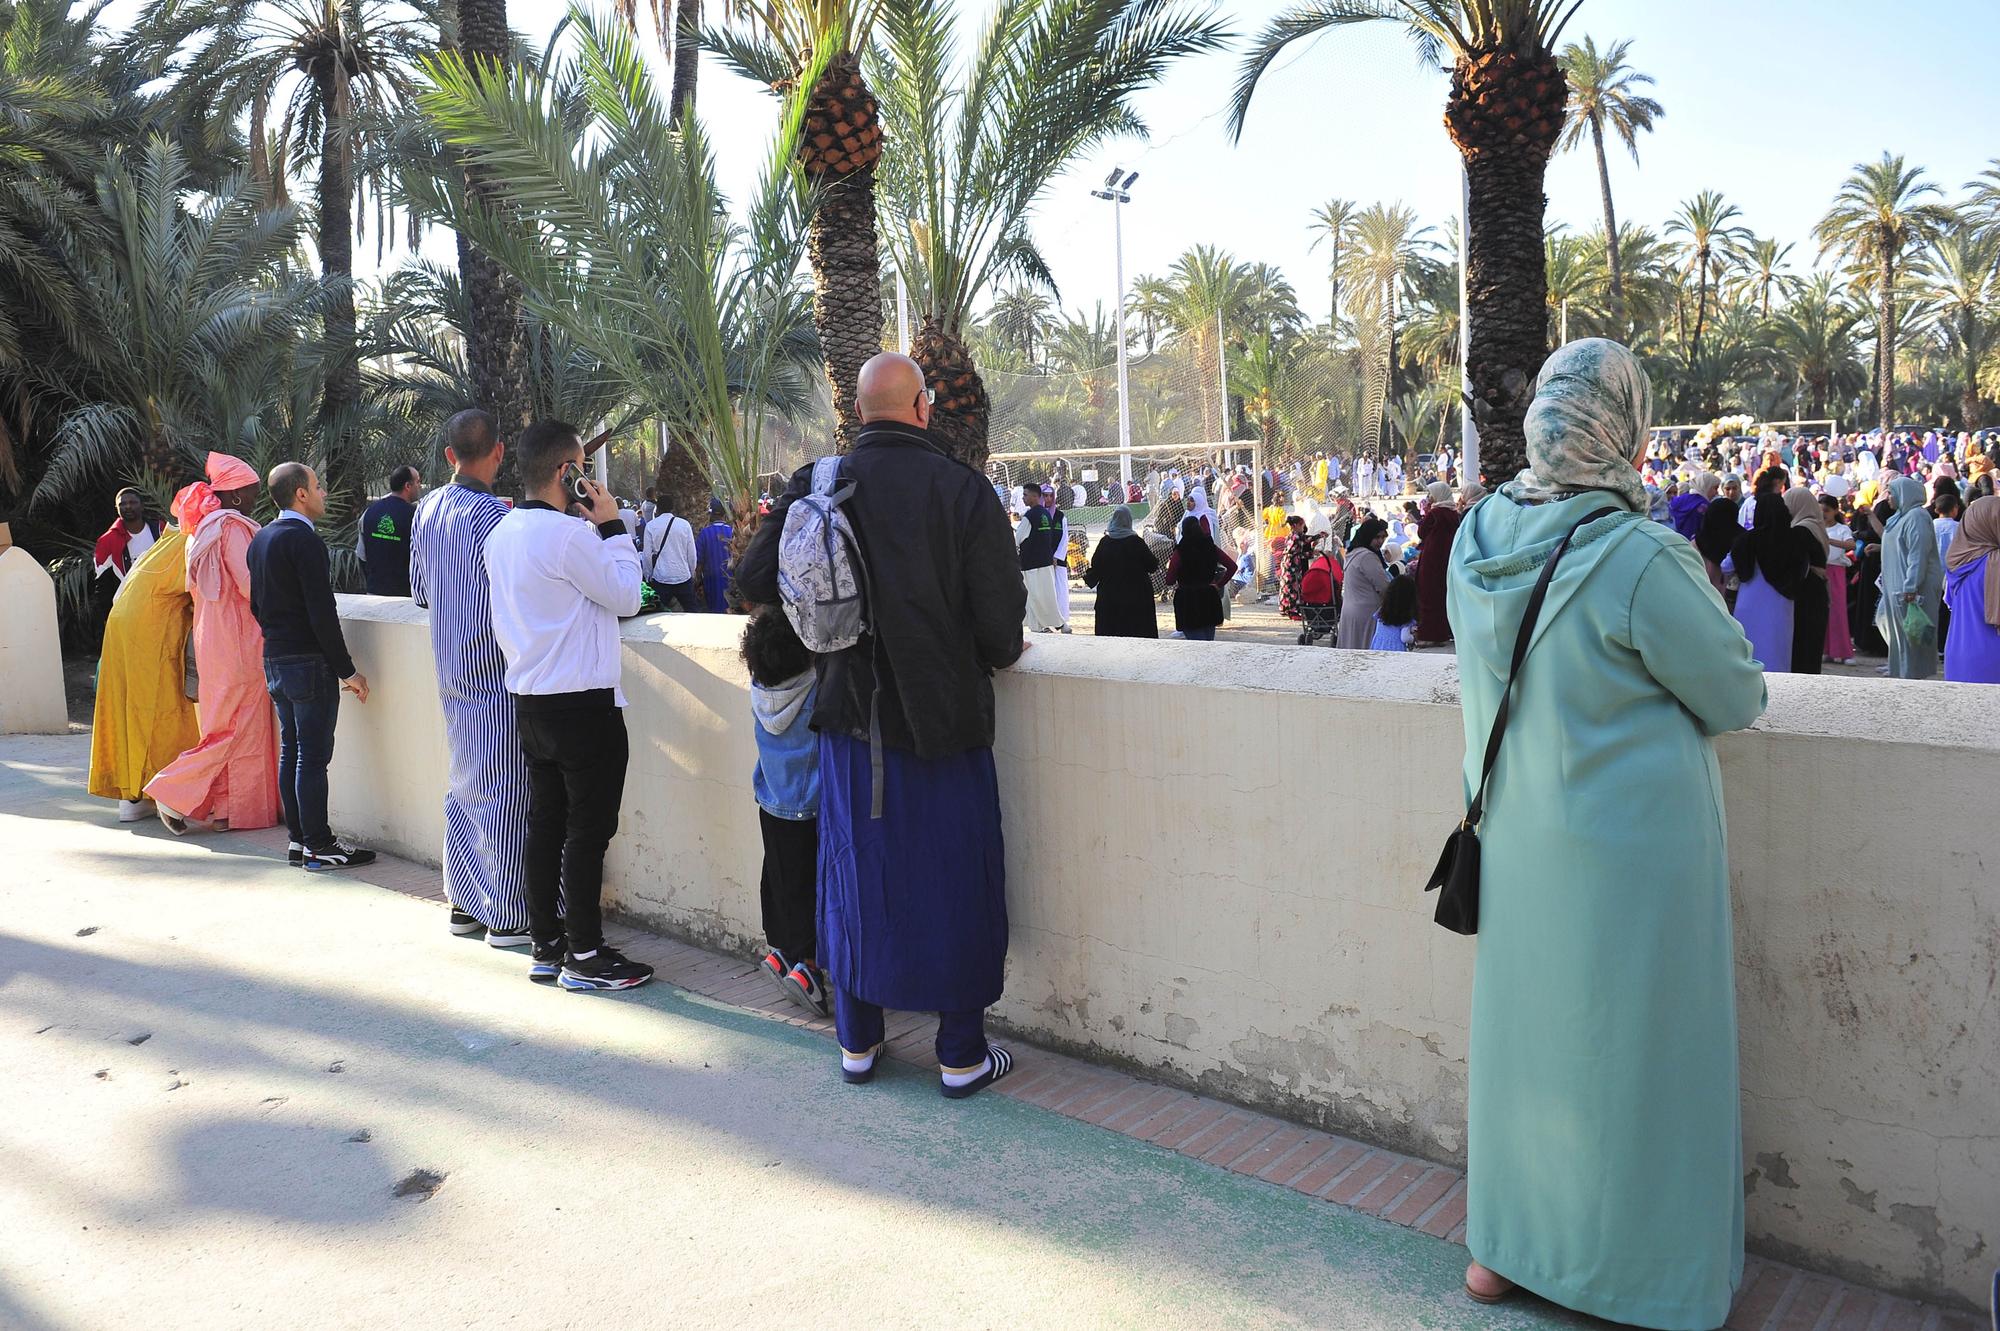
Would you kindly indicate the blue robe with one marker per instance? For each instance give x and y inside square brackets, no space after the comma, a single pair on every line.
[1604,1150]
[711,548]
[912,905]
[486,797]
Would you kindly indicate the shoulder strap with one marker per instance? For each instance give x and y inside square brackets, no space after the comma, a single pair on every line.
[826,474]
[1522,640]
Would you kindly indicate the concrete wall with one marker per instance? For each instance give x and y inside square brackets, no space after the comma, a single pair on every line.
[31,673]
[1215,855]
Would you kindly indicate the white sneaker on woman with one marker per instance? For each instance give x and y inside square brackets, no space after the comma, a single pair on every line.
[135,811]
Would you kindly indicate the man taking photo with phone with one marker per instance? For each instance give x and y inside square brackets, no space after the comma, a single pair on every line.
[559,586]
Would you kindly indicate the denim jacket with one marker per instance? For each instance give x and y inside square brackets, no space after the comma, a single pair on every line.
[787,779]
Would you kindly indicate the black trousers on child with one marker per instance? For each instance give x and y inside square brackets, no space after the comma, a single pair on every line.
[576,750]
[789,889]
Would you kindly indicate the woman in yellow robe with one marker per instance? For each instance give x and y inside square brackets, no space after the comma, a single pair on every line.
[144,719]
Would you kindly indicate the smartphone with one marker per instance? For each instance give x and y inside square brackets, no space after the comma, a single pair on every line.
[573,483]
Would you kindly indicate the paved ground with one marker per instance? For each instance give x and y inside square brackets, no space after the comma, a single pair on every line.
[233,1095]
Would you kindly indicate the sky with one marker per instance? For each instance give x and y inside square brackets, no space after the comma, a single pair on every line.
[1771,102]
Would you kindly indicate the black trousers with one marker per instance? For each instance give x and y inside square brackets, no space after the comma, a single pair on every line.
[790,887]
[576,749]
[686,595]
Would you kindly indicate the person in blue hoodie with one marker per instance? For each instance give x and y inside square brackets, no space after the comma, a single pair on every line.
[786,785]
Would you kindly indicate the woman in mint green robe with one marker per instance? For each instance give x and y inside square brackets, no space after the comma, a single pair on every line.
[1912,574]
[1604,1147]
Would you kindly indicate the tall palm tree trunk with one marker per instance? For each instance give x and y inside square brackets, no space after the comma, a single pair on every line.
[687,57]
[1610,229]
[961,412]
[842,143]
[494,345]
[1885,339]
[1700,307]
[336,260]
[1506,288]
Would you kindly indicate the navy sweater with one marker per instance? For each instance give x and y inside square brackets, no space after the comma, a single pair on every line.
[291,594]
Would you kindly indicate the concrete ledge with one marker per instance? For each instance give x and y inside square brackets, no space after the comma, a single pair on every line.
[1215,853]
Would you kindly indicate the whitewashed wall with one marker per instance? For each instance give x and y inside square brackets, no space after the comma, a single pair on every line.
[1214,859]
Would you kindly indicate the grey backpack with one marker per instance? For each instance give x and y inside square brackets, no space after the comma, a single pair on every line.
[821,578]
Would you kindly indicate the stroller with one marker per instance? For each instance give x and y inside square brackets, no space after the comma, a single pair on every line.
[1319,599]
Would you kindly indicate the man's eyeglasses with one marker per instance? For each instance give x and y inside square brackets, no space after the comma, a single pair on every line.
[928,396]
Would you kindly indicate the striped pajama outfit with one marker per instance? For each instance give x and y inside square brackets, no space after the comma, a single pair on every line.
[486,803]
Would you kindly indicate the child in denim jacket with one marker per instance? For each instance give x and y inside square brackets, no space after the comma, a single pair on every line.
[786,784]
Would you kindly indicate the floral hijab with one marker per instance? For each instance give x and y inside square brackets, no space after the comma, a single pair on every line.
[1586,426]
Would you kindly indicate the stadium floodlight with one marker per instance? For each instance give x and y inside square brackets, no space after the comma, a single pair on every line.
[1115,193]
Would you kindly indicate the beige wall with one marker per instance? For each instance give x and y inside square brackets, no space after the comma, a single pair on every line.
[31,673]
[1214,860]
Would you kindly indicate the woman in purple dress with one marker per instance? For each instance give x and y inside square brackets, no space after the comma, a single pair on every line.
[1769,565]
[1972,590]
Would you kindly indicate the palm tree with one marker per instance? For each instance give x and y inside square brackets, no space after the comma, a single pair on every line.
[1710,238]
[1333,222]
[1204,291]
[180,321]
[1388,243]
[341,70]
[1983,205]
[1960,281]
[1764,267]
[812,45]
[1573,280]
[630,251]
[1504,113]
[1814,334]
[1605,94]
[1051,81]
[1021,316]
[492,297]
[1880,216]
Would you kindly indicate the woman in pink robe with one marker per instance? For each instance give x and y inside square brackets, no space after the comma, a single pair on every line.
[230,779]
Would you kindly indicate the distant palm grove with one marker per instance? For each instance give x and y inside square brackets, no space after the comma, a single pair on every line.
[183,203]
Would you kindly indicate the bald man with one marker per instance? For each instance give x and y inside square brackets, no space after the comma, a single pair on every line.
[913,910]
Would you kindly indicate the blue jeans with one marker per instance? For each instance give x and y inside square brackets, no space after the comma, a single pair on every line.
[308,700]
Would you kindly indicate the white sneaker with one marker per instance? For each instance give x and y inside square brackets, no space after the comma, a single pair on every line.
[136,811]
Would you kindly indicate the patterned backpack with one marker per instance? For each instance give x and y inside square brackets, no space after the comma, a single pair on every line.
[821,577]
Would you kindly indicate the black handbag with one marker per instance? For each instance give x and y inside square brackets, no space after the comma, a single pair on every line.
[1456,878]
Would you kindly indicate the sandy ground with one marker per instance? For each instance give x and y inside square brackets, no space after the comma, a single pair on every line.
[234,1095]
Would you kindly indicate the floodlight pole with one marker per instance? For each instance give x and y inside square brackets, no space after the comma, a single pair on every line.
[1115,193]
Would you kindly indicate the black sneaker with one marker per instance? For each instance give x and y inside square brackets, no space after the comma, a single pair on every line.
[510,937]
[775,967]
[805,984]
[339,855]
[545,963]
[295,854]
[607,968]
[464,925]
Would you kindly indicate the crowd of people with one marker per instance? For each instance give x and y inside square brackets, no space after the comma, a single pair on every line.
[1825,549]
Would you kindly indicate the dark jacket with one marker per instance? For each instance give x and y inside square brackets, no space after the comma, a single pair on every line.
[1122,572]
[947,600]
[291,595]
[385,545]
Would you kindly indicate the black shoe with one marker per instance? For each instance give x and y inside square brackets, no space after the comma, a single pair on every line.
[464,925]
[998,1064]
[775,967]
[295,854]
[604,969]
[546,962]
[805,984]
[339,855]
[510,937]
